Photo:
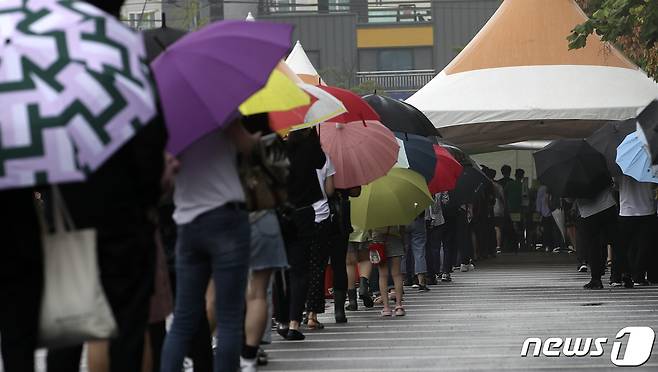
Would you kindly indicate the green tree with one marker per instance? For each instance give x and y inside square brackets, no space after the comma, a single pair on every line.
[631,25]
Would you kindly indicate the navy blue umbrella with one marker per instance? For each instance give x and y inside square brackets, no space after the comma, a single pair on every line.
[420,153]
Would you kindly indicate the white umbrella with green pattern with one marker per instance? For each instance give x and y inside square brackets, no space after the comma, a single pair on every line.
[74,87]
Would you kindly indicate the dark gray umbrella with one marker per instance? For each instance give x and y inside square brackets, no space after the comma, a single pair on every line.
[608,138]
[158,39]
[571,168]
[400,116]
[648,120]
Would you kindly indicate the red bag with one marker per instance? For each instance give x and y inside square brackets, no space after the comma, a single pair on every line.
[377,253]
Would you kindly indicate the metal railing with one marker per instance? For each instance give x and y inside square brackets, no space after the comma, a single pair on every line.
[372,11]
[396,80]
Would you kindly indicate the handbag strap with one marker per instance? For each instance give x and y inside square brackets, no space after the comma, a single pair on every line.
[63,219]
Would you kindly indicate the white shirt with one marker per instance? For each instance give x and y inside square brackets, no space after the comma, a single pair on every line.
[208,177]
[636,198]
[321,207]
[601,202]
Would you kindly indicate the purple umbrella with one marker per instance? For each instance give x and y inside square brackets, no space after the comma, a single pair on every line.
[206,75]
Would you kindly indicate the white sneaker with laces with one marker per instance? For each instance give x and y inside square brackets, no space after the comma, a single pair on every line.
[248,365]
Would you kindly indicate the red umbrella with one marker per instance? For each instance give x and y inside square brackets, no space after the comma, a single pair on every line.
[447,171]
[358,110]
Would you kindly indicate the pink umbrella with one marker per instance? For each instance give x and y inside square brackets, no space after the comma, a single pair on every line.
[360,151]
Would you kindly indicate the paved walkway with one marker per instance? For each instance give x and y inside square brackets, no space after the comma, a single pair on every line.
[478,322]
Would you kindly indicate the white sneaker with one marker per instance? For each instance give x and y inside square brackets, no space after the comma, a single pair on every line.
[471,267]
[463,268]
[248,365]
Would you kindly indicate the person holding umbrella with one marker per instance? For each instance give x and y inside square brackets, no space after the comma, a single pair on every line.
[392,239]
[598,227]
[103,147]
[304,190]
[201,94]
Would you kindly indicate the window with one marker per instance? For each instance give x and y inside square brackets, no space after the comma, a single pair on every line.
[395,60]
[142,21]
[133,20]
[339,5]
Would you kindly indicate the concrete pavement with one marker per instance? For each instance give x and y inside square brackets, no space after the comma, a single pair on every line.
[479,322]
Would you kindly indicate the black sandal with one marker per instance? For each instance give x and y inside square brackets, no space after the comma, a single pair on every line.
[316,324]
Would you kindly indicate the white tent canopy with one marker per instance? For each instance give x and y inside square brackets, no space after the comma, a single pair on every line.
[517,80]
[301,65]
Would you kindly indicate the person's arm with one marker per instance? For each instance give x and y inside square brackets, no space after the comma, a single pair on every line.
[329,187]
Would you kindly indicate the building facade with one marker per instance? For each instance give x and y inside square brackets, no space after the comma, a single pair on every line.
[391,45]
[142,15]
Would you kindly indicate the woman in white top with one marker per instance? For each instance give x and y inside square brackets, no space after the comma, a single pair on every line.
[320,247]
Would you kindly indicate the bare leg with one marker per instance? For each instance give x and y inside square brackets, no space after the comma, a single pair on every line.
[383,284]
[210,306]
[398,279]
[365,267]
[256,317]
[499,237]
[571,231]
[421,279]
[98,357]
[351,262]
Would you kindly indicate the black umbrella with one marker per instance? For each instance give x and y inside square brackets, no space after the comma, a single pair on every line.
[571,168]
[158,39]
[608,138]
[400,116]
[648,120]
[472,182]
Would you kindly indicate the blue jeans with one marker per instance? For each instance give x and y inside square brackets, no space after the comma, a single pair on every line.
[216,243]
[415,241]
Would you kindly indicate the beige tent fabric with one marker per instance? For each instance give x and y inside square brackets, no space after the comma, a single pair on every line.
[534,32]
[311,79]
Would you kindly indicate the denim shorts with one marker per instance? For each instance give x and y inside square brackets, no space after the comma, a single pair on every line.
[267,248]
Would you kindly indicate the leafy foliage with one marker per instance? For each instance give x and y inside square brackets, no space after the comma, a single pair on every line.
[632,25]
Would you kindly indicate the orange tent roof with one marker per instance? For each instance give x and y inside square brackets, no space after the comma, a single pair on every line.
[531,33]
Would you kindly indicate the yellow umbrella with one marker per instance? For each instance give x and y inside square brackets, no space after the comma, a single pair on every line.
[395,199]
[279,94]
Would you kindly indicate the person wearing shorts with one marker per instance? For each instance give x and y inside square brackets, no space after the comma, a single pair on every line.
[267,254]
[391,237]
